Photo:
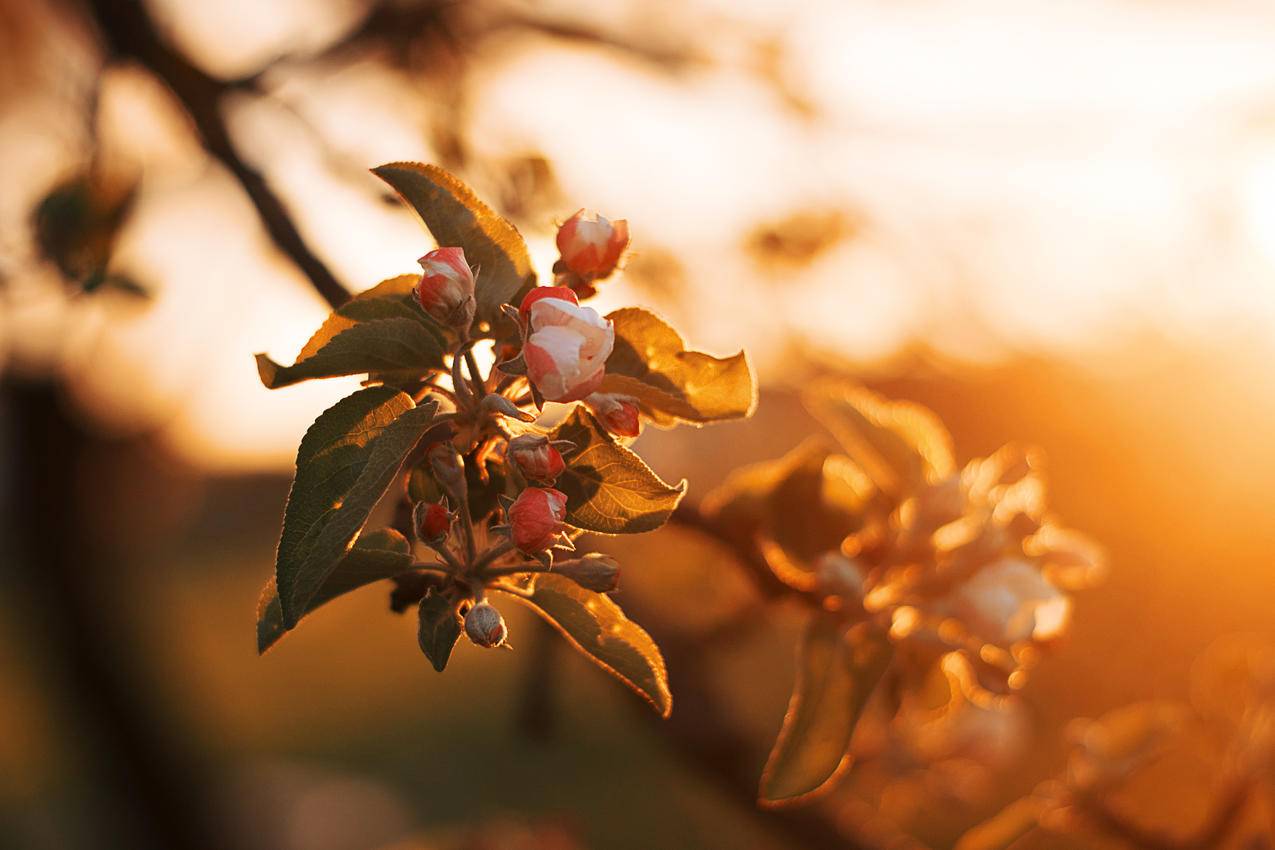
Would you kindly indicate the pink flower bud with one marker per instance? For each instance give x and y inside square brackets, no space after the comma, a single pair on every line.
[433,521]
[562,293]
[485,626]
[617,413]
[837,575]
[446,289]
[536,458]
[535,518]
[591,245]
[567,345]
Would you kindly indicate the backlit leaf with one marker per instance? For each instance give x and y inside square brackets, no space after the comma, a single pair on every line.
[1000,831]
[796,507]
[650,362]
[438,630]
[345,463]
[457,218]
[609,488]
[836,675]
[596,626]
[900,445]
[374,556]
[379,332]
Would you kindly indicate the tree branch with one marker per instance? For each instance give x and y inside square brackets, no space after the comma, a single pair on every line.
[128,33]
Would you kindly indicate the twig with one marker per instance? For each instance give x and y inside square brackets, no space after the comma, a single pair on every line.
[128,32]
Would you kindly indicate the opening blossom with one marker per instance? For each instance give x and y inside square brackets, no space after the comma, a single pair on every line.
[536,517]
[591,245]
[1010,601]
[446,289]
[536,457]
[567,345]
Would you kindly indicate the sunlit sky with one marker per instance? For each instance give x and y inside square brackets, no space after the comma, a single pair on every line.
[1023,177]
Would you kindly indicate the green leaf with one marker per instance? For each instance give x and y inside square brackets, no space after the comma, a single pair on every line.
[346,461]
[373,557]
[650,362]
[609,489]
[381,332]
[439,629]
[456,217]
[900,445]
[836,675]
[1000,831]
[596,626]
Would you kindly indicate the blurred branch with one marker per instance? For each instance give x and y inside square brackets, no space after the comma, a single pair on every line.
[129,33]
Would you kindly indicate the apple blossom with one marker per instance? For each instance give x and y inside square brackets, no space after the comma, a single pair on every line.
[535,518]
[591,245]
[1011,601]
[536,458]
[567,345]
[446,288]
[617,413]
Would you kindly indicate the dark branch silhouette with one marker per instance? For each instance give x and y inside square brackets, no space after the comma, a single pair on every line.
[128,33]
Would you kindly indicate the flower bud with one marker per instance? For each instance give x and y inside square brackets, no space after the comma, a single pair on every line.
[536,458]
[591,245]
[617,413]
[484,625]
[535,518]
[595,571]
[567,345]
[432,520]
[446,288]
[449,470]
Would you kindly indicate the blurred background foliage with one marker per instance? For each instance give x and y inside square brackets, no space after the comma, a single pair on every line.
[1051,224]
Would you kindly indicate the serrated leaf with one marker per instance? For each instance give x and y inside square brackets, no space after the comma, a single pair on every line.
[456,217]
[1000,831]
[650,362]
[596,626]
[609,488]
[373,557]
[382,346]
[438,630]
[835,678]
[346,461]
[900,445]
[381,331]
